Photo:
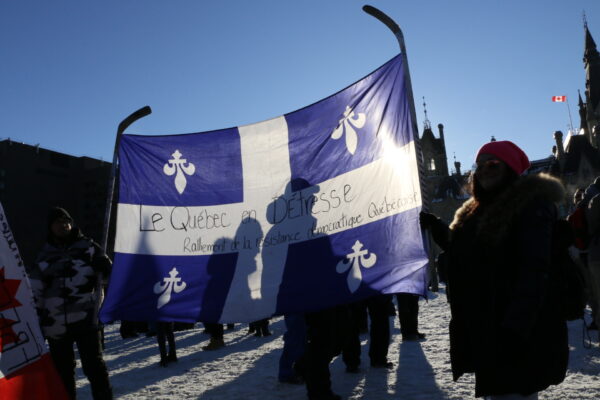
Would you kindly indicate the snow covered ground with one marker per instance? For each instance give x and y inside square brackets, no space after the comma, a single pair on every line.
[247,367]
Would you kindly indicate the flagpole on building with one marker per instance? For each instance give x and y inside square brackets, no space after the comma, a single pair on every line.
[570,119]
[565,99]
[142,112]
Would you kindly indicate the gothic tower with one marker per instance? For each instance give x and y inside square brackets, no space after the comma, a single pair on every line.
[434,149]
[591,61]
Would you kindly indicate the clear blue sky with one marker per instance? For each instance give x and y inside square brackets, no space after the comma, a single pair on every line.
[71,70]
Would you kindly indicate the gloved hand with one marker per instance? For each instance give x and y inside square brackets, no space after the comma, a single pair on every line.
[427,220]
[438,229]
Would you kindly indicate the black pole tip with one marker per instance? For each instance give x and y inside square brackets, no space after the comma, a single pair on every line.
[383,17]
[134,116]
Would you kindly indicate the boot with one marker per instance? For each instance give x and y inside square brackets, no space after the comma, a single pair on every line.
[214,344]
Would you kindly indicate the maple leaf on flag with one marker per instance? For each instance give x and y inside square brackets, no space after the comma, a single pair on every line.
[7,334]
[8,292]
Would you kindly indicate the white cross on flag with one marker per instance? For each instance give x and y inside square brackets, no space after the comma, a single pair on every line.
[559,99]
[305,211]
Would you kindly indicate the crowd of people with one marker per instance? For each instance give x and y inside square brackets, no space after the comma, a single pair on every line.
[584,219]
[498,267]
[71,268]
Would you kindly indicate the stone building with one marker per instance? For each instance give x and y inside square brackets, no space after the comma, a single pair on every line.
[576,157]
[445,191]
[590,110]
[33,179]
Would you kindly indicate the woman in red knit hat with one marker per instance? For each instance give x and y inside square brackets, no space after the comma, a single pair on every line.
[504,327]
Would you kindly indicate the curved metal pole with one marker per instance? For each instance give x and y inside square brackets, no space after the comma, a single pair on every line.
[393,26]
[142,112]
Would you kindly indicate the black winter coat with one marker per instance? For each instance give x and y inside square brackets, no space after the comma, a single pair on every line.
[505,326]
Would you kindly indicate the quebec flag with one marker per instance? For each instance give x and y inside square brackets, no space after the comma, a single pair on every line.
[302,212]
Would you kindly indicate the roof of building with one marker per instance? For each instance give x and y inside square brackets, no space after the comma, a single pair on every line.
[577,148]
[436,143]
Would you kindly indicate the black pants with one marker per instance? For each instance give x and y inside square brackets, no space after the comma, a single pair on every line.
[351,349]
[164,334]
[379,332]
[379,312]
[408,313]
[90,353]
[326,333]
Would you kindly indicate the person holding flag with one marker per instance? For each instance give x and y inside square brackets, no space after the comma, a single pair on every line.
[63,280]
[505,326]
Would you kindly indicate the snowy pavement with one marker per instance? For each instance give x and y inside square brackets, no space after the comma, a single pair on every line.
[246,368]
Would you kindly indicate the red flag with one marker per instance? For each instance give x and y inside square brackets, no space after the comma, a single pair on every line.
[26,368]
[559,99]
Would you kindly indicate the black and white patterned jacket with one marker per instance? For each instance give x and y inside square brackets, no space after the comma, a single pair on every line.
[64,281]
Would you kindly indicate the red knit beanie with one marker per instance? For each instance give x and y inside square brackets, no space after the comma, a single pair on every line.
[508,152]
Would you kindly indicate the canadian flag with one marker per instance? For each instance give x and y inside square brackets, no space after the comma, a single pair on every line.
[559,99]
[26,367]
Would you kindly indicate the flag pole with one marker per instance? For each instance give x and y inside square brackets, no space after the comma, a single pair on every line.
[570,119]
[142,112]
[393,26]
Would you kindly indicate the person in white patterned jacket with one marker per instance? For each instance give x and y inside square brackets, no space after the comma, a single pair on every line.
[64,281]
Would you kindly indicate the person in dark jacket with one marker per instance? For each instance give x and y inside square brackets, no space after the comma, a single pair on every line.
[64,281]
[505,327]
[579,220]
[593,224]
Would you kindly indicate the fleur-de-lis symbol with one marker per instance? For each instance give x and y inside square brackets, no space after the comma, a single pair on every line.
[346,125]
[168,285]
[355,260]
[177,164]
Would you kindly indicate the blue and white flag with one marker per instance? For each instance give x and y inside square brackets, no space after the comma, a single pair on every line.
[312,209]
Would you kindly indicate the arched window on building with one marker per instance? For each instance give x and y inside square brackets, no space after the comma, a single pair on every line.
[431,165]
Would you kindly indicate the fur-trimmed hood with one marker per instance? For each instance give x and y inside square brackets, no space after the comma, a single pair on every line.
[496,218]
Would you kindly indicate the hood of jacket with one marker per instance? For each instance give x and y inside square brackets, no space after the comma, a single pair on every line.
[496,218]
